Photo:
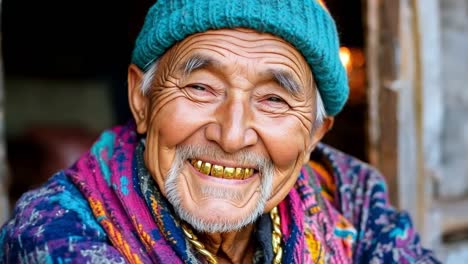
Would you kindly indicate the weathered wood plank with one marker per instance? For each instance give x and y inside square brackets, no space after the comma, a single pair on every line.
[382,39]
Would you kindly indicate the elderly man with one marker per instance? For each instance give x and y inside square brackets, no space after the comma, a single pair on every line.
[222,162]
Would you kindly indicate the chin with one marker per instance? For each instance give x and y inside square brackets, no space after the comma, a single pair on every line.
[215,219]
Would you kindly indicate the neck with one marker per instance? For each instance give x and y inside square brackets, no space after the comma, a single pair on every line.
[231,247]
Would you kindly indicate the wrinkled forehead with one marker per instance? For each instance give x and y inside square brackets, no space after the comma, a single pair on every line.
[223,47]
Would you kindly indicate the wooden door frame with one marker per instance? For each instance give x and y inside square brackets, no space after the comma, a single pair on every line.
[405,107]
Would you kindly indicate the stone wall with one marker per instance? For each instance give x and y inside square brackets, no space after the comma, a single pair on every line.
[454,30]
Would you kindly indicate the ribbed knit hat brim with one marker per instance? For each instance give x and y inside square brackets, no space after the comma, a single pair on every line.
[303,23]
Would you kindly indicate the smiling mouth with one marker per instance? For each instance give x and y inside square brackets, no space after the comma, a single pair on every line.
[222,172]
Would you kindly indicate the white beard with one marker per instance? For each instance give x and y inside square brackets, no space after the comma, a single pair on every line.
[183,153]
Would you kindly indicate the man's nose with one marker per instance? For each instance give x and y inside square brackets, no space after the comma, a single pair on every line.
[233,130]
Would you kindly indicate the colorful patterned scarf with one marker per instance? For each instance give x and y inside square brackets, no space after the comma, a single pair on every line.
[141,224]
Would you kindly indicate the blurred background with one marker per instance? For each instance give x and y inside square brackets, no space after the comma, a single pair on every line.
[64,68]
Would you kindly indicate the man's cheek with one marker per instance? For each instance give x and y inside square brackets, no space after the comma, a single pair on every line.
[177,120]
[285,159]
[286,144]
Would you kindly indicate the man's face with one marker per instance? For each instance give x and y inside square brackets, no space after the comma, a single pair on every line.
[229,123]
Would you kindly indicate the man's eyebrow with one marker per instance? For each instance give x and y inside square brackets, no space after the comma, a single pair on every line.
[281,77]
[286,81]
[196,62]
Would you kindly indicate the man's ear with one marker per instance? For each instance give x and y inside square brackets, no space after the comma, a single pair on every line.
[318,133]
[137,100]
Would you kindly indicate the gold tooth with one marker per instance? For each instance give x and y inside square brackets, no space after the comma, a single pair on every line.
[229,173]
[197,164]
[246,173]
[239,174]
[217,171]
[205,168]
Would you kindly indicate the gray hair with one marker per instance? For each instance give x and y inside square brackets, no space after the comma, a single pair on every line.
[148,78]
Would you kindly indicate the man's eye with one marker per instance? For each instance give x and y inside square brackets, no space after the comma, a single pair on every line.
[273,104]
[275,99]
[200,92]
[197,87]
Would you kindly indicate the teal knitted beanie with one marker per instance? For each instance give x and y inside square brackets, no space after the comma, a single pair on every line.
[304,23]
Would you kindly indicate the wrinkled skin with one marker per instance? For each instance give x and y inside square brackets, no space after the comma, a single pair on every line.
[234,105]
